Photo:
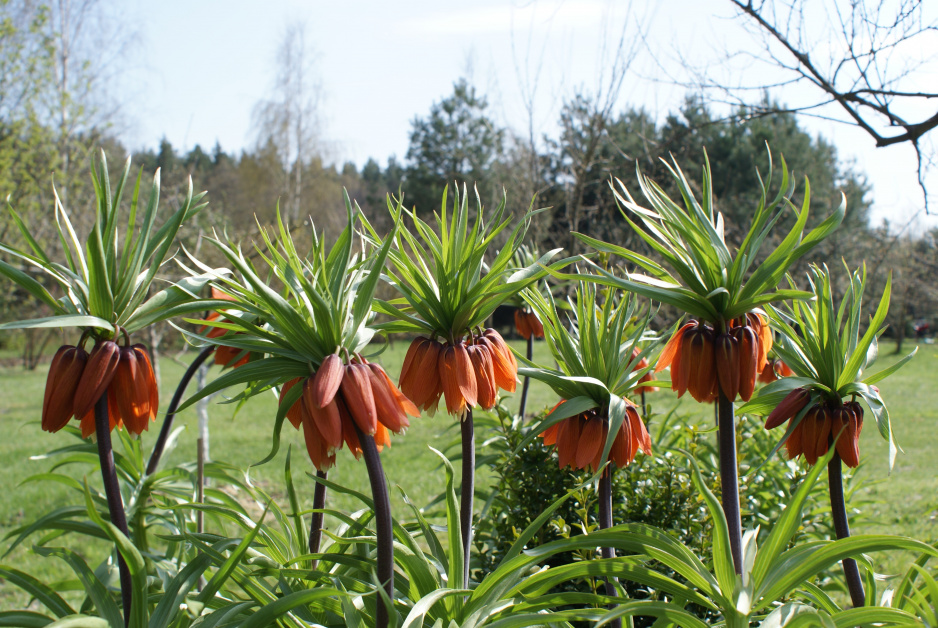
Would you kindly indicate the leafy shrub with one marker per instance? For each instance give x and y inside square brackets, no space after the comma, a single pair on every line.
[656,490]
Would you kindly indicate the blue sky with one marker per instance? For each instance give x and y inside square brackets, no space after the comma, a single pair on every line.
[200,67]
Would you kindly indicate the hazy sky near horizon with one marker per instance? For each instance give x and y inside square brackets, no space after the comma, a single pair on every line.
[199,69]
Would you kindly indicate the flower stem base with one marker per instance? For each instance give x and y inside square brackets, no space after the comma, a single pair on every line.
[115,503]
[319,502]
[467,490]
[383,525]
[605,522]
[842,529]
[729,478]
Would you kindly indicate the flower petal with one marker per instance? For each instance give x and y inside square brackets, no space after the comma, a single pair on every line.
[423,386]
[327,419]
[748,360]
[697,360]
[131,392]
[65,373]
[484,372]
[794,444]
[727,362]
[143,362]
[589,443]
[295,413]
[465,376]
[568,438]
[356,391]
[96,376]
[844,429]
[521,324]
[449,368]
[672,349]
[412,358]
[790,406]
[389,411]
[326,381]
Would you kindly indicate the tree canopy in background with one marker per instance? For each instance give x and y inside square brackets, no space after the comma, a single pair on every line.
[456,142]
[49,119]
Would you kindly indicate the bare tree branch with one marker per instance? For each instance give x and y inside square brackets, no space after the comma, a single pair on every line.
[865,61]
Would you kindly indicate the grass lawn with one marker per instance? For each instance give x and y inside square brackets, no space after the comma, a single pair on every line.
[906,501]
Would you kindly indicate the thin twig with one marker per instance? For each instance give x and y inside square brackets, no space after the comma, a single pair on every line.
[319,502]
[171,411]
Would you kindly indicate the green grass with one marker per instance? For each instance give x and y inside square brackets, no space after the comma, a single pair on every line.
[906,499]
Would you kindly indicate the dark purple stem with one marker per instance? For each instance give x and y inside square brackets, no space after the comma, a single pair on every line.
[729,478]
[835,481]
[112,490]
[467,490]
[319,502]
[605,522]
[383,529]
[171,411]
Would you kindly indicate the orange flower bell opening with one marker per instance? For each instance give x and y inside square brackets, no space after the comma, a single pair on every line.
[466,374]
[705,363]
[579,439]
[340,396]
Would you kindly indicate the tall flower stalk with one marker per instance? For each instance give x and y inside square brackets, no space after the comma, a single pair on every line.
[104,281]
[718,353]
[307,341]
[167,427]
[449,286]
[598,349]
[822,345]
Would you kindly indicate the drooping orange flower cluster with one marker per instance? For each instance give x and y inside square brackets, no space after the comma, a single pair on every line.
[338,394]
[643,363]
[704,362]
[227,357]
[224,356]
[467,373]
[77,380]
[579,439]
[774,369]
[528,324]
[822,423]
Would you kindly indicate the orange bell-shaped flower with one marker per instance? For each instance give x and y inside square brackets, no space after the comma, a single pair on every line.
[96,376]
[58,404]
